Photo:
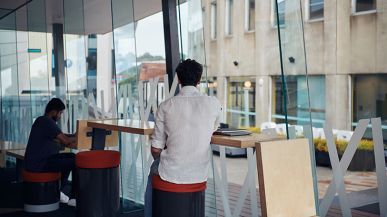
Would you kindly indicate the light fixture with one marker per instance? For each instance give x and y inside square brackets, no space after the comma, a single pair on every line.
[247,84]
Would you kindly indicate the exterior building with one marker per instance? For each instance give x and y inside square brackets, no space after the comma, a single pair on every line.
[345,46]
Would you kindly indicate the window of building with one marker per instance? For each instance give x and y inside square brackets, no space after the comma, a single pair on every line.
[363,5]
[281,13]
[316,9]
[249,15]
[297,99]
[370,100]
[214,15]
[241,102]
[229,15]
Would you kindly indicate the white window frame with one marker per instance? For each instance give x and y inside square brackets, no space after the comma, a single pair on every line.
[273,15]
[214,20]
[307,12]
[354,12]
[228,18]
[247,17]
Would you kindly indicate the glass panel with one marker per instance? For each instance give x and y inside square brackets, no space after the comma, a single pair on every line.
[9,80]
[134,149]
[370,100]
[281,12]
[365,5]
[75,43]
[295,84]
[37,45]
[23,73]
[229,17]
[250,15]
[214,15]
[316,8]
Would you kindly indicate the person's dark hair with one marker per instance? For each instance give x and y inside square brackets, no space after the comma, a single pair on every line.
[55,104]
[189,72]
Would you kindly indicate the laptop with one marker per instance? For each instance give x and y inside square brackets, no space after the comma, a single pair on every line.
[231,132]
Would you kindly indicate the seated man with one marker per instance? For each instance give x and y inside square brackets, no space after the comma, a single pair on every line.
[183,129]
[42,153]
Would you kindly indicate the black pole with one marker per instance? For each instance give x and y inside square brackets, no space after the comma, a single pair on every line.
[59,65]
[171,38]
[284,92]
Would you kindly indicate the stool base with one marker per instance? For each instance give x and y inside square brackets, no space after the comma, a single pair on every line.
[41,208]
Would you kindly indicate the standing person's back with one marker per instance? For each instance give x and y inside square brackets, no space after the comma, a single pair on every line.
[189,121]
[181,141]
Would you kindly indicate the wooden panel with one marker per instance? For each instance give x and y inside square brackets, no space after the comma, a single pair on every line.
[124,125]
[285,178]
[84,141]
[242,141]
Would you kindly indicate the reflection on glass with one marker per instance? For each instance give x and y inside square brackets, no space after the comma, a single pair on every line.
[370,100]
[298,106]
[281,13]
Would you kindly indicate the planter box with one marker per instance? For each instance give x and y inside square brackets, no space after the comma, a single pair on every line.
[322,159]
[362,161]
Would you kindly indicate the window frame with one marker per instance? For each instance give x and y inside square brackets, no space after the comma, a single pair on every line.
[355,13]
[274,17]
[228,30]
[214,20]
[307,10]
[247,16]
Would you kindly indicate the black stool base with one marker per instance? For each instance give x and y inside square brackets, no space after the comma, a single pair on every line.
[172,204]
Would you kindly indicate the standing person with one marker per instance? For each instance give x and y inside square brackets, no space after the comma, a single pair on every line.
[42,153]
[181,139]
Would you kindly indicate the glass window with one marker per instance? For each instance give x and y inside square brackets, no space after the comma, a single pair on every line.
[229,15]
[241,102]
[297,99]
[250,15]
[365,5]
[281,13]
[316,9]
[370,99]
[213,20]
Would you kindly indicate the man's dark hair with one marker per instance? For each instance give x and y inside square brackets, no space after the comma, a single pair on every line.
[189,72]
[55,104]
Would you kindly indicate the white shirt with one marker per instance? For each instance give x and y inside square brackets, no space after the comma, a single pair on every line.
[184,124]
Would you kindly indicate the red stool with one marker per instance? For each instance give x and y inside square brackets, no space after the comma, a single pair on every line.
[41,191]
[98,183]
[176,200]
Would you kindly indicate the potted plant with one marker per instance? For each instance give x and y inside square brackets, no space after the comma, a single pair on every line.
[321,152]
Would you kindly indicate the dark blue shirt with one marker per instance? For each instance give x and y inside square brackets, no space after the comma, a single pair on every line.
[41,143]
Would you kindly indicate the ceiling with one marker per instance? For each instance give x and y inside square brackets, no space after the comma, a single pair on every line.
[95,14]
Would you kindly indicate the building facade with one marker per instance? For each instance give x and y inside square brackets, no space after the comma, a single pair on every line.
[346,58]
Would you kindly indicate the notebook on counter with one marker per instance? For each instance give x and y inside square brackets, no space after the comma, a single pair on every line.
[231,132]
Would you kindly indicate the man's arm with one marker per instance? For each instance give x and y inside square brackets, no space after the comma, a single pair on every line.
[155,152]
[67,141]
[159,136]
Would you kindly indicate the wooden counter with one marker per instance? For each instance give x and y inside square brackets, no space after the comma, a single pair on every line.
[242,141]
[123,125]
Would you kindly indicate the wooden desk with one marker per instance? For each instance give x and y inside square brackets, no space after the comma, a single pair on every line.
[122,125]
[242,141]
[8,145]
